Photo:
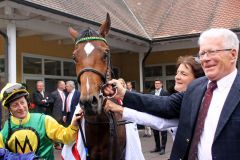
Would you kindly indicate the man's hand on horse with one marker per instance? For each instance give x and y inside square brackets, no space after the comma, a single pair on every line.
[111,106]
[77,118]
[109,90]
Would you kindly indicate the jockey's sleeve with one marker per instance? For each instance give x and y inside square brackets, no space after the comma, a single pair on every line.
[59,133]
[2,145]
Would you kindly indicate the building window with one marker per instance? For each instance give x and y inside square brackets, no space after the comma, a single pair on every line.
[170,86]
[32,65]
[52,67]
[153,71]
[69,69]
[48,69]
[163,72]
[149,86]
[170,70]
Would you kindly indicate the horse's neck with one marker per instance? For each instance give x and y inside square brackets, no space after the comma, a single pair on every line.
[100,141]
[97,118]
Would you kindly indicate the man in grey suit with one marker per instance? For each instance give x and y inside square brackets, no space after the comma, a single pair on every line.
[58,97]
[209,111]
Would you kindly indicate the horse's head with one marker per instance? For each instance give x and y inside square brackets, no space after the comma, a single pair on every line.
[92,58]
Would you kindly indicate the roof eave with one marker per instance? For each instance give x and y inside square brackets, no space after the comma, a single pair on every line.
[30,4]
[177,37]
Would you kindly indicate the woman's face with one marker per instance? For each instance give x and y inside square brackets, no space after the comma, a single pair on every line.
[183,78]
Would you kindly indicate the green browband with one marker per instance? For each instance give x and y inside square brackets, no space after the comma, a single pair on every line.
[90,39]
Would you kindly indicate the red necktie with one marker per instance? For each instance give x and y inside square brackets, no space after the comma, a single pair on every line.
[200,120]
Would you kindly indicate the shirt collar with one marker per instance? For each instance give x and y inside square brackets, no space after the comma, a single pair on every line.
[226,81]
[72,91]
[17,121]
[158,90]
[59,90]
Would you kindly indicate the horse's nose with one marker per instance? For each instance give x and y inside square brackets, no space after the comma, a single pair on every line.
[90,103]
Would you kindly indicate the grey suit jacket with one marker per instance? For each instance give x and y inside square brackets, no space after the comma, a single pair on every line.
[185,106]
[57,106]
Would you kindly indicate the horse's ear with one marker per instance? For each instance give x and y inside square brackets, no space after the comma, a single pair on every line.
[73,32]
[105,27]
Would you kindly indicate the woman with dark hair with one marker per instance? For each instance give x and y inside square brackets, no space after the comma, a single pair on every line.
[188,69]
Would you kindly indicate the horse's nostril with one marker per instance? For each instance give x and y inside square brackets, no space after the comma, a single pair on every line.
[89,103]
[94,101]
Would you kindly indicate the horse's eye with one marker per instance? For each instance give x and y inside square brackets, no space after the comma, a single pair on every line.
[105,56]
[74,57]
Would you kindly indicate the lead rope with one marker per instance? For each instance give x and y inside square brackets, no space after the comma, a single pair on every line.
[84,141]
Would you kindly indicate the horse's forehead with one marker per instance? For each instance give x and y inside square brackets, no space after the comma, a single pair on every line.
[88,48]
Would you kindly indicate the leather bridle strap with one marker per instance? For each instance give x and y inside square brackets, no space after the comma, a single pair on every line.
[90,70]
[105,77]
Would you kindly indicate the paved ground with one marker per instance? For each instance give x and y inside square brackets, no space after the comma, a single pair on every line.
[147,145]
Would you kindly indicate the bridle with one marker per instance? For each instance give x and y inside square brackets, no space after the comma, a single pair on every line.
[113,123]
[104,76]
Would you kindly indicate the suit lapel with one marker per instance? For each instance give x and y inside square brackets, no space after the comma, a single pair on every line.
[58,95]
[73,97]
[230,104]
[161,92]
[197,100]
[40,94]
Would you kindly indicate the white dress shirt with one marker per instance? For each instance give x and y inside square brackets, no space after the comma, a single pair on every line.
[219,97]
[69,100]
[63,97]
[158,91]
[42,93]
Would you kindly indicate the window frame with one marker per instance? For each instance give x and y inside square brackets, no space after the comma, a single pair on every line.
[43,75]
[163,78]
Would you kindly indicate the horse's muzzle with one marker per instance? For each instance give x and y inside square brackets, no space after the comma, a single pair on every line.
[91,105]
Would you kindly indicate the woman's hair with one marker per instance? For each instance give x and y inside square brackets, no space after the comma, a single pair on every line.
[193,62]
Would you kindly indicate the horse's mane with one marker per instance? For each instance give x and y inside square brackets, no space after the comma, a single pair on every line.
[88,33]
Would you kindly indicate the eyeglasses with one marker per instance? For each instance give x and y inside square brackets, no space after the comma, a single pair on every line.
[211,52]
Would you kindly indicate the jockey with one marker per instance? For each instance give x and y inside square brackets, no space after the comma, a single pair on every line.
[26,132]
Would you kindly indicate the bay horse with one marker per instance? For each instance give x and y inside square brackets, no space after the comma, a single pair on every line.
[105,139]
